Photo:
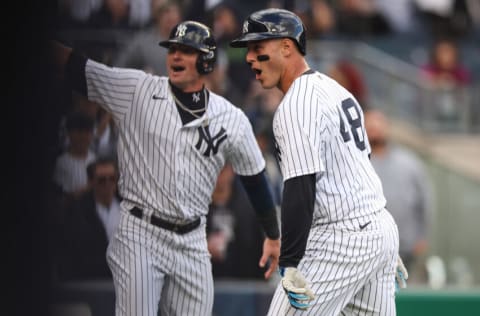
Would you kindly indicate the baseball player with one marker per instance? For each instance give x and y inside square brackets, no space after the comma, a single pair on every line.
[175,137]
[339,247]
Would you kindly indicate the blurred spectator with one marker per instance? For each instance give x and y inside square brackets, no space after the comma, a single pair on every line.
[360,18]
[74,14]
[445,68]
[473,7]
[219,82]
[70,171]
[143,51]
[104,13]
[261,103]
[446,17]
[198,10]
[225,22]
[89,224]
[105,134]
[235,238]
[318,17]
[76,103]
[406,186]
[400,14]
[226,25]
[350,77]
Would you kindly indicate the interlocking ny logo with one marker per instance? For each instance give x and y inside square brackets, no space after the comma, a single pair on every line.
[213,143]
[245,27]
[181,30]
[277,151]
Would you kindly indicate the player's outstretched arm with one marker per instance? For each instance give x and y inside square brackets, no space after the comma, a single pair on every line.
[259,193]
[59,54]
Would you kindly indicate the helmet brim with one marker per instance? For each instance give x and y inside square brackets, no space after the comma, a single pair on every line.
[169,42]
[243,40]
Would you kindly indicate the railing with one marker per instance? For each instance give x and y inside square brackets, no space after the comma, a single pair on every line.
[399,89]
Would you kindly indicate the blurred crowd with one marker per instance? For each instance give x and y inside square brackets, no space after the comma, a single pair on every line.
[83,201]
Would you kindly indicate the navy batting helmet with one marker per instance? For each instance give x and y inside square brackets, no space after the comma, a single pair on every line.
[198,36]
[272,23]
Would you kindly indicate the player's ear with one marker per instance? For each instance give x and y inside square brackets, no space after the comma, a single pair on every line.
[286,46]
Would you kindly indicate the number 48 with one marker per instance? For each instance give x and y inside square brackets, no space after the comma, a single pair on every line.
[351,109]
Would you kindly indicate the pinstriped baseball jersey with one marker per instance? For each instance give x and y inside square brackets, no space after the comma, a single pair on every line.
[155,147]
[352,246]
[318,128]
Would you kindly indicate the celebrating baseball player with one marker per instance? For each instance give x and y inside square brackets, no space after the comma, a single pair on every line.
[175,137]
[339,246]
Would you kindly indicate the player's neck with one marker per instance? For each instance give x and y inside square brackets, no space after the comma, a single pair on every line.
[191,87]
[294,70]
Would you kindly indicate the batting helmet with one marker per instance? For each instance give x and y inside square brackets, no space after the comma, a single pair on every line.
[198,36]
[272,23]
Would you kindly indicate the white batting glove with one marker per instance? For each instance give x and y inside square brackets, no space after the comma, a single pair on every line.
[401,275]
[298,292]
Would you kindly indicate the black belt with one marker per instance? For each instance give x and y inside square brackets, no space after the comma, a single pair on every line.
[157,221]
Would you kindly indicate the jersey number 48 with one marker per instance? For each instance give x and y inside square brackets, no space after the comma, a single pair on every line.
[351,109]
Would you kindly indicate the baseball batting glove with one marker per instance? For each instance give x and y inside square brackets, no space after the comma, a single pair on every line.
[298,292]
[401,275]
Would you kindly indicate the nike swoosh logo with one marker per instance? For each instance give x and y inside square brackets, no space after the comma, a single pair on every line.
[364,225]
[156,97]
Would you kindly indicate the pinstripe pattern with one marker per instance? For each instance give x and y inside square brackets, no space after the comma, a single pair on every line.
[168,170]
[306,128]
[154,148]
[145,258]
[355,275]
[318,128]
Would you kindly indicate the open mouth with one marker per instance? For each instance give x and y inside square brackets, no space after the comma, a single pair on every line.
[257,71]
[178,68]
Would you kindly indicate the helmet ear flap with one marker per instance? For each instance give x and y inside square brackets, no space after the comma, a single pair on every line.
[205,62]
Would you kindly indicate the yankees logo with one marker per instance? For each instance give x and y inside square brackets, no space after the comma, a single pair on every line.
[181,31]
[196,97]
[277,151]
[213,143]
[245,27]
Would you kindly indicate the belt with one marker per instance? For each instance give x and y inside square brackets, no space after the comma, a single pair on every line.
[157,221]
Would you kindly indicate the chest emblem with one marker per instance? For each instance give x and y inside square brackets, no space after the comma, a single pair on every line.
[212,142]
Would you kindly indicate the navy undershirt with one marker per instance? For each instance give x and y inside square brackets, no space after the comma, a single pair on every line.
[298,202]
[187,99]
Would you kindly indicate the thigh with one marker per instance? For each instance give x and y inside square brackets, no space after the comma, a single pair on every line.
[189,290]
[336,264]
[377,296]
[349,271]
[136,280]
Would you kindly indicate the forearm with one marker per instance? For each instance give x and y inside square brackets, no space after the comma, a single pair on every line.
[297,212]
[59,55]
[261,198]
[69,66]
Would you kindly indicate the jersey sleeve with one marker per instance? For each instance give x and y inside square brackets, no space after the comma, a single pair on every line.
[245,155]
[112,88]
[296,142]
